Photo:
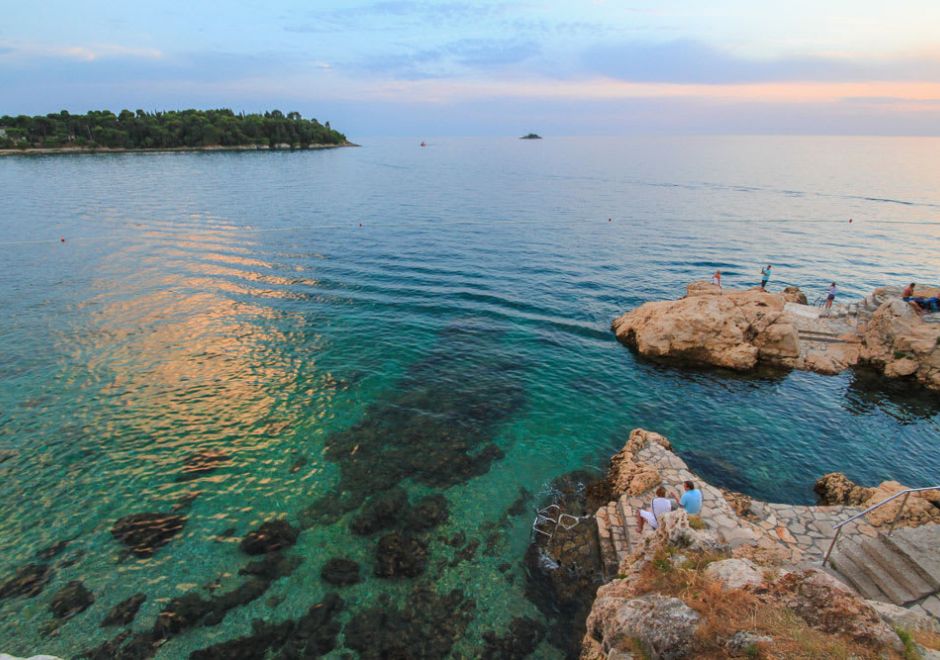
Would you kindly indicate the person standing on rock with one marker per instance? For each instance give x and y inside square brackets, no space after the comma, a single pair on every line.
[691,499]
[765,274]
[716,278]
[660,505]
[831,295]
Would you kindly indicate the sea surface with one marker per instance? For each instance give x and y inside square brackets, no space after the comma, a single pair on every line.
[250,336]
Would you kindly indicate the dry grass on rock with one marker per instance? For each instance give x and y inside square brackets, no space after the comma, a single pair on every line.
[725,612]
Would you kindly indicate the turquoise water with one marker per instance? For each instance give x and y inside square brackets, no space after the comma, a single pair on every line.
[331,324]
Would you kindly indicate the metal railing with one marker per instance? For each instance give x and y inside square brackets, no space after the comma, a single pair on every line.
[906,493]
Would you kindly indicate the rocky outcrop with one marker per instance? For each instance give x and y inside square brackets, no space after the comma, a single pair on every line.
[731,329]
[920,508]
[900,344]
[70,600]
[705,573]
[734,573]
[828,605]
[662,623]
[628,474]
[741,329]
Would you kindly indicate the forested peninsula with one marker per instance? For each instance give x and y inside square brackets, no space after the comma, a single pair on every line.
[182,130]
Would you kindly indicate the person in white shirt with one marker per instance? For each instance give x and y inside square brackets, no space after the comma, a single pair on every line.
[660,505]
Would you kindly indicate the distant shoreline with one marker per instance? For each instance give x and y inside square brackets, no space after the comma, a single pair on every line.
[120,150]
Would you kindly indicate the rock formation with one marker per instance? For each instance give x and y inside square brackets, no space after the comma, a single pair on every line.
[735,580]
[741,329]
[733,330]
[627,474]
[920,508]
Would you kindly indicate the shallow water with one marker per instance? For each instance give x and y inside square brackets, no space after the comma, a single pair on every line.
[330,324]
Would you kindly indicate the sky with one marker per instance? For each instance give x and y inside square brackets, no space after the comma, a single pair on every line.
[455,67]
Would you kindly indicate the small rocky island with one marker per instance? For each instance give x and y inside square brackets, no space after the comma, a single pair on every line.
[746,328]
[531,136]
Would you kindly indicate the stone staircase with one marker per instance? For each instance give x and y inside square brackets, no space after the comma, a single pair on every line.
[903,568]
[613,536]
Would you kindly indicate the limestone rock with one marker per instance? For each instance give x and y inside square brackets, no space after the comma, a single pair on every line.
[901,344]
[742,640]
[828,605]
[901,617]
[836,488]
[702,288]
[731,330]
[662,624]
[734,573]
[920,509]
[629,475]
[794,295]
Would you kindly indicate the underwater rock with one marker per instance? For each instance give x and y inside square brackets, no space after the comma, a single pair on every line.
[125,611]
[380,512]
[466,553]
[427,626]
[28,580]
[520,505]
[272,535]
[52,551]
[340,572]
[430,512]
[400,555]
[272,566]
[70,600]
[198,464]
[145,533]
[436,425]
[522,638]
[311,636]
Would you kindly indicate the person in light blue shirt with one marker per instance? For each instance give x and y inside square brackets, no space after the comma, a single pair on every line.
[691,499]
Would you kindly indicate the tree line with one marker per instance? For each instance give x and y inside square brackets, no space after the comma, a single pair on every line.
[162,130]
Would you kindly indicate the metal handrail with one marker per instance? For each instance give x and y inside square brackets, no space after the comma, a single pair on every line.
[906,493]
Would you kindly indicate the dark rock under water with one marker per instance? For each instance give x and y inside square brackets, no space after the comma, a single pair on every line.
[145,533]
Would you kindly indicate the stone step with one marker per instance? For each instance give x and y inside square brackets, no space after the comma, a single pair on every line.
[850,572]
[919,546]
[896,592]
[898,566]
[608,552]
[618,533]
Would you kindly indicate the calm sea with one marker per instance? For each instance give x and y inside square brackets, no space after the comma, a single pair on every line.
[281,333]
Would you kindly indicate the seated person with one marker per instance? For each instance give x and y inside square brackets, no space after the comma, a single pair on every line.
[908,291]
[691,499]
[661,504]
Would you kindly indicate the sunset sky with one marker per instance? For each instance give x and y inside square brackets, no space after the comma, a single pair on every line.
[399,67]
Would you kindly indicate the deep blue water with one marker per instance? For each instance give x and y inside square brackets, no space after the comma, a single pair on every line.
[336,323]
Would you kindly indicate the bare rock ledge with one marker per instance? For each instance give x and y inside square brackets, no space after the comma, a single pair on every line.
[741,329]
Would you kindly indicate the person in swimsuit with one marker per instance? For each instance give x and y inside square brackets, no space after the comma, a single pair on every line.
[831,295]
